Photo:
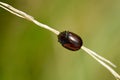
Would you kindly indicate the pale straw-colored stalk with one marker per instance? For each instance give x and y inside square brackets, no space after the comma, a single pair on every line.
[26,16]
[102,61]
[97,57]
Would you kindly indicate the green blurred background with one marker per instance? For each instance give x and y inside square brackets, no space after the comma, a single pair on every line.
[28,52]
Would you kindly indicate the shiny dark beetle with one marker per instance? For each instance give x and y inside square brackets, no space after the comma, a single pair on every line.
[70,40]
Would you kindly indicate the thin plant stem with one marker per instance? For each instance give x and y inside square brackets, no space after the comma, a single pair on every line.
[100,57]
[22,14]
[91,53]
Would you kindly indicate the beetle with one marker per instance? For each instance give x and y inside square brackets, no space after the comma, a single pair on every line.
[70,40]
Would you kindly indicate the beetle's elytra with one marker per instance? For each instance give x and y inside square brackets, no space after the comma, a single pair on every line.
[70,40]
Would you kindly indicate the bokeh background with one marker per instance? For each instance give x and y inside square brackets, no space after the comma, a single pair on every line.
[28,52]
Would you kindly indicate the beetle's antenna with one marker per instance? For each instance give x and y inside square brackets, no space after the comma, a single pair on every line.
[102,61]
[22,14]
